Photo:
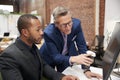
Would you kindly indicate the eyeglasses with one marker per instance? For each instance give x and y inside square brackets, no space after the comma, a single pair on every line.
[66,24]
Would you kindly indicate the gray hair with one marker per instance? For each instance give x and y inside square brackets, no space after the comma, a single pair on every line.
[59,11]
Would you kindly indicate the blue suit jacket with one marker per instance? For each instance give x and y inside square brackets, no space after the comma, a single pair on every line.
[52,48]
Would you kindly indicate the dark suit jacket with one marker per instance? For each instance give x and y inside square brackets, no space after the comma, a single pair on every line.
[52,48]
[17,63]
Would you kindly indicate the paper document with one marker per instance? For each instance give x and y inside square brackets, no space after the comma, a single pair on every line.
[77,71]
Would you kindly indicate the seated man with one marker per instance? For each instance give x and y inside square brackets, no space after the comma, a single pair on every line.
[21,60]
[61,39]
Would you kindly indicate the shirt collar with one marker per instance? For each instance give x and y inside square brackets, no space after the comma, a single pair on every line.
[63,34]
[24,44]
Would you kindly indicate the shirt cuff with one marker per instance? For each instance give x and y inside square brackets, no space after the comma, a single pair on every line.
[71,64]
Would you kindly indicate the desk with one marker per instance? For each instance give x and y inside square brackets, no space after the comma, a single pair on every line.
[6,41]
[77,71]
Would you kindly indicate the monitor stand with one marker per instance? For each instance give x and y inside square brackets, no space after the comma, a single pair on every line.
[116,72]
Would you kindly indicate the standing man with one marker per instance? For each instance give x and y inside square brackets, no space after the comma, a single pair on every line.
[21,60]
[65,44]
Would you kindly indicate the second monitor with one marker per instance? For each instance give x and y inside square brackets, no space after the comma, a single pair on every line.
[112,52]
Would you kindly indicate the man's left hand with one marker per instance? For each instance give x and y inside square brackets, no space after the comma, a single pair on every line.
[90,75]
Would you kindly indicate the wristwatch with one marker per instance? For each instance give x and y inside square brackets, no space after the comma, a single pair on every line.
[86,70]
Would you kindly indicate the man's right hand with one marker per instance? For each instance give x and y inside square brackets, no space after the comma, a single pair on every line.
[82,59]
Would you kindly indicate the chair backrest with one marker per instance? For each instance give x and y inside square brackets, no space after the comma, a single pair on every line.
[0,76]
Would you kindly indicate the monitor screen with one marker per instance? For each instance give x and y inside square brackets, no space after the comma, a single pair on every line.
[6,34]
[112,52]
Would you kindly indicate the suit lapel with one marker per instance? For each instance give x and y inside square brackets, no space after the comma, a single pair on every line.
[40,60]
[26,53]
[59,37]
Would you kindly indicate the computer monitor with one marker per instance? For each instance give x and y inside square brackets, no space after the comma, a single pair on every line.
[6,34]
[112,52]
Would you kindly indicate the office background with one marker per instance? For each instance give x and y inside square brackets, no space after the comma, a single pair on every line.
[98,17]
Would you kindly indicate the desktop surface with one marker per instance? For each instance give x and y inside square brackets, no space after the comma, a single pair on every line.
[77,71]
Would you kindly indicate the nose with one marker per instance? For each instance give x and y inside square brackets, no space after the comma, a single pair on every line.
[41,32]
[68,26]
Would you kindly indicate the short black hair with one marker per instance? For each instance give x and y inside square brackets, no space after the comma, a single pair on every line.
[24,21]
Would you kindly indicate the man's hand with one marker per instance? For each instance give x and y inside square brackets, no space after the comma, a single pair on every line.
[90,74]
[82,59]
[70,77]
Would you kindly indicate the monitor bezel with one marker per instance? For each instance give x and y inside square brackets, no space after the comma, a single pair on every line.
[115,37]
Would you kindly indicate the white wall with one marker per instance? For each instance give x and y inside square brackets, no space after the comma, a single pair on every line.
[97,17]
[3,24]
[8,23]
[112,14]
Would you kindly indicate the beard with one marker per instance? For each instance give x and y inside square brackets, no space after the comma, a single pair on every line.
[33,40]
